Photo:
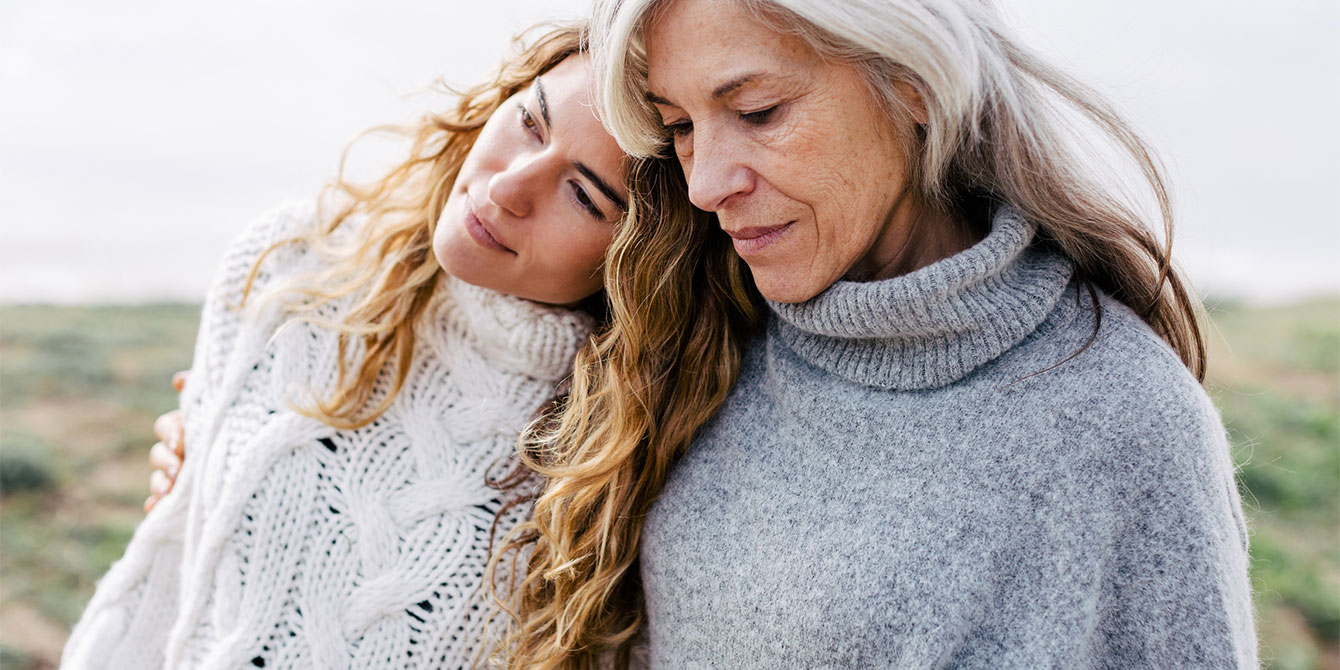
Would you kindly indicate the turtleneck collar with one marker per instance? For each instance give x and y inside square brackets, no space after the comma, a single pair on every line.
[515,334]
[931,327]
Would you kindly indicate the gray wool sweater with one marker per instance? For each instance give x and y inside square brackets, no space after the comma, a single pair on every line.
[902,479]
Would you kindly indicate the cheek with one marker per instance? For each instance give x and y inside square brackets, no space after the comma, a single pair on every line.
[574,260]
[818,170]
[490,145]
[444,229]
[857,176]
[589,251]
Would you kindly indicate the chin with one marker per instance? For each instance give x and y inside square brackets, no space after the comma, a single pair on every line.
[779,288]
[460,260]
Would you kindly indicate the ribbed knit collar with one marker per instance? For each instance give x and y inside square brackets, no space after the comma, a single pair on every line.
[931,327]
[514,334]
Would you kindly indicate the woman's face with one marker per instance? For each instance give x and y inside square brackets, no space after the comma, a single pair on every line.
[803,167]
[534,207]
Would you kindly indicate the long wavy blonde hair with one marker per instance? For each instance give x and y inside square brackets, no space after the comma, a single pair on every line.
[1001,130]
[389,268]
[682,305]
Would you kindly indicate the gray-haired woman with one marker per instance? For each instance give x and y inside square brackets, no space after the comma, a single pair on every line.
[971,433]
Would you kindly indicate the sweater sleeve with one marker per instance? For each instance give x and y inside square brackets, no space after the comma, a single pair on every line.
[127,622]
[1176,591]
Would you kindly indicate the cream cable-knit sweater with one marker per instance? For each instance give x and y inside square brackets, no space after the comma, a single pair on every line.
[289,544]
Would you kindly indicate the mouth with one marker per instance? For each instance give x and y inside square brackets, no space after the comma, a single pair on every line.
[754,239]
[482,230]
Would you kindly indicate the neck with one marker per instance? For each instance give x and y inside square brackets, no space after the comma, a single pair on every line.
[931,328]
[915,237]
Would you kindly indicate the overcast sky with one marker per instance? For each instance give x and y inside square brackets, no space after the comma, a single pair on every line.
[136,137]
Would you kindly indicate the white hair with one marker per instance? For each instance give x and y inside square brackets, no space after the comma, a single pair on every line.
[944,49]
[1000,126]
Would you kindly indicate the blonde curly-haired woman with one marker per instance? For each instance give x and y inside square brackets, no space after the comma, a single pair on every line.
[364,367]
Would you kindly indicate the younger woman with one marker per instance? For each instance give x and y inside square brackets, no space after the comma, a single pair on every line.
[363,369]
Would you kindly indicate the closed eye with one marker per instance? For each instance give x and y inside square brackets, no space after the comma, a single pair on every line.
[679,133]
[679,128]
[759,117]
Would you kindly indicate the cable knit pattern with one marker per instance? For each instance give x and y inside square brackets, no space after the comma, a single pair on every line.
[289,544]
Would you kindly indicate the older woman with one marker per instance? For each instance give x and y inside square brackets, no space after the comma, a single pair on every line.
[971,433]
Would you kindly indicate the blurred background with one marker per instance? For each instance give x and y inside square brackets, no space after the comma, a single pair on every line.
[137,137]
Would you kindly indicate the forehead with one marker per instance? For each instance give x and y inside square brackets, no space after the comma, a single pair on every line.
[694,47]
[569,93]
[571,82]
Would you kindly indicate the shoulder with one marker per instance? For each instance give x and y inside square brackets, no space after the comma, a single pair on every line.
[1108,384]
[291,220]
[1130,365]
[1122,415]
[288,219]
[1101,355]
[279,250]
[245,268]
[1128,414]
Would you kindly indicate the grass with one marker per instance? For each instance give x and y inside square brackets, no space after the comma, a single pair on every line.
[1275,376]
[80,386]
[79,389]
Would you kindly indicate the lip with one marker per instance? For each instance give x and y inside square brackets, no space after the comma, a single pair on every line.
[750,241]
[482,230]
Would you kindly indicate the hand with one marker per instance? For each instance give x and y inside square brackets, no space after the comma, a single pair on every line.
[169,452]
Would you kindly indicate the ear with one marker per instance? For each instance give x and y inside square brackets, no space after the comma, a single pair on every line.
[913,100]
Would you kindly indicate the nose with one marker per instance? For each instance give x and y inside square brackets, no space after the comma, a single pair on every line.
[716,172]
[514,187]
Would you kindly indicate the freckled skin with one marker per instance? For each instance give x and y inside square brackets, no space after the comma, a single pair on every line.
[828,160]
[521,179]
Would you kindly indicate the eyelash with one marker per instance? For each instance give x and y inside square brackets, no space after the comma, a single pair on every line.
[530,125]
[758,118]
[528,122]
[578,193]
[679,128]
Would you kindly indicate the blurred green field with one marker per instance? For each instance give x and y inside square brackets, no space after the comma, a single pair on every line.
[80,386]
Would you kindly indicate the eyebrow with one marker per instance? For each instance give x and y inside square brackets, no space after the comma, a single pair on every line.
[717,93]
[601,185]
[544,105]
[730,86]
[658,100]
